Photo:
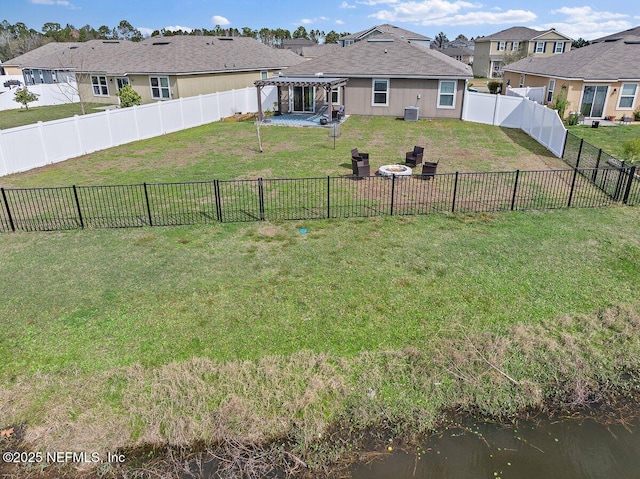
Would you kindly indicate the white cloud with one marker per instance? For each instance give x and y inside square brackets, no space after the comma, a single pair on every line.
[419,11]
[218,20]
[306,21]
[587,23]
[146,32]
[60,3]
[483,18]
[346,5]
[339,22]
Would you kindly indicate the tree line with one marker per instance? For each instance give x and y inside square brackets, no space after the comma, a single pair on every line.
[17,39]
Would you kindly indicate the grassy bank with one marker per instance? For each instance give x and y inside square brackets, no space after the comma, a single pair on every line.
[610,139]
[258,334]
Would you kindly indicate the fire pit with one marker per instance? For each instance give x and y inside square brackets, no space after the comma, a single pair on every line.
[397,170]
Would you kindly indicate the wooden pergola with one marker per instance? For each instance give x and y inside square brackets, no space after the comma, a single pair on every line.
[328,84]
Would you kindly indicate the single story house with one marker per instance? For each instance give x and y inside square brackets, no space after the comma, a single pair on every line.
[462,54]
[158,68]
[491,52]
[381,76]
[599,80]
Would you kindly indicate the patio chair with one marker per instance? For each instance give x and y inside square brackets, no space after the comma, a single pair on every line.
[414,158]
[429,170]
[337,115]
[360,164]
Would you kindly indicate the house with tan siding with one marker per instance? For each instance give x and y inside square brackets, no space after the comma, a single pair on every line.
[599,80]
[158,68]
[492,51]
[385,74]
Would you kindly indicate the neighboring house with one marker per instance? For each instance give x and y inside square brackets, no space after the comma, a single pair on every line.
[158,68]
[384,29]
[601,79]
[296,44]
[493,51]
[462,54]
[384,75]
[314,51]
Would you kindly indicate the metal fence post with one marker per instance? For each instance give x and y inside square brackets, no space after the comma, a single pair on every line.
[579,152]
[261,198]
[393,190]
[515,187]
[75,195]
[455,192]
[595,172]
[146,197]
[328,196]
[573,185]
[632,175]
[6,204]
[216,190]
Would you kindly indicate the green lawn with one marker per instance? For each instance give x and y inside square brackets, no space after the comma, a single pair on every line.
[261,334]
[231,151]
[22,116]
[608,138]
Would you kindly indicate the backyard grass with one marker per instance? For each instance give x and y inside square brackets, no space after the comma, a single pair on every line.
[21,117]
[608,138]
[231,151]
[262,335]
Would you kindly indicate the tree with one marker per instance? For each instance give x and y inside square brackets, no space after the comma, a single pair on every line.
[462,37]
[316,35]
[126,31]
[301,32]
[441,40]
[332,37]
[128,96]
[24,96]
[579,43]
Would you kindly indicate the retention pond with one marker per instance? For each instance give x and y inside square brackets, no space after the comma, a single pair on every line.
[566,448]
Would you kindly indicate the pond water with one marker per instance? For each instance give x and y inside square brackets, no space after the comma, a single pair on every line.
[567,449]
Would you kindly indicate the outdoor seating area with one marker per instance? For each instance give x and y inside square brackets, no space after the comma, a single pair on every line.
[429,169]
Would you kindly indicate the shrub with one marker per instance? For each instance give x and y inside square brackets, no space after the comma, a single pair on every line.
[573,119]
[128,96]
[494,86]
[561,103]
[24,96]
[631,150]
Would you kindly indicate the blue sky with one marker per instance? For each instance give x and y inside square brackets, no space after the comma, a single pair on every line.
[576,18]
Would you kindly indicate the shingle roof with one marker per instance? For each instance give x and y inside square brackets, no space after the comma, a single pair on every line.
[387,57]
[604,61]
[631,31]
[516,34]
[386,29]
[318,50]
[168,55]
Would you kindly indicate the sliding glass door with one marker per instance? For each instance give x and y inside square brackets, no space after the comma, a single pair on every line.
[593,98]
[303,99]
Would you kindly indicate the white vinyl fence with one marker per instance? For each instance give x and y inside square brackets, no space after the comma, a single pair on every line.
[541,123]
[48,94]
[40,144]
[532,93]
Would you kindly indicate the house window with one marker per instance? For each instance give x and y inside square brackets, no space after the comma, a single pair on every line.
[627,96]
[99,85]
[160,88]
[502,46]
[380,93]
[447,94]
[121,83]
[559,48]
[263,75]
[521,84]
[539,47]
[515,46]
[41,76]
[552,86]
[54,76]
[335,97]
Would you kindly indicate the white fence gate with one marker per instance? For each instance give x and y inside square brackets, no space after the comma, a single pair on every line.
[32,146]
[541,123]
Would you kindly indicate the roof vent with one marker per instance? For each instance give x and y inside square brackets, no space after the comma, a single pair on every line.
[161,43]
[110,41]
[72,48]
[381,40]
[319,74]
[226,39]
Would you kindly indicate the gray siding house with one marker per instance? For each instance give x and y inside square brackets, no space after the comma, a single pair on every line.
[385,74]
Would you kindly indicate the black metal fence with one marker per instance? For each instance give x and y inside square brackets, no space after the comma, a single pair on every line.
[595,179]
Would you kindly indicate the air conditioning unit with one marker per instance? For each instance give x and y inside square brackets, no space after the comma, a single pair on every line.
[411,113]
